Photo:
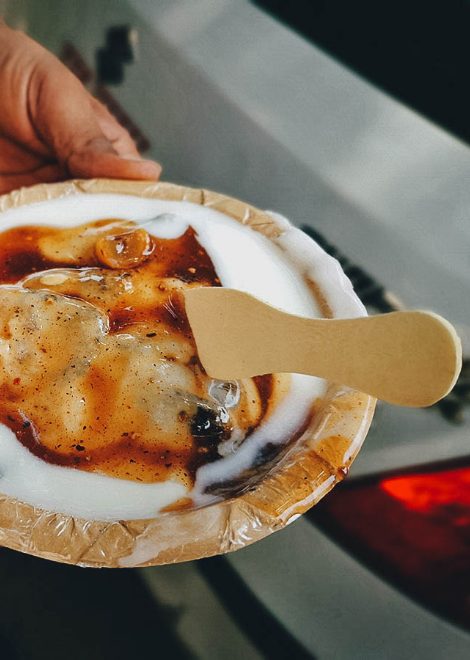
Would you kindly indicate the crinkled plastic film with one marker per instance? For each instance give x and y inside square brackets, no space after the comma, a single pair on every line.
[310,469]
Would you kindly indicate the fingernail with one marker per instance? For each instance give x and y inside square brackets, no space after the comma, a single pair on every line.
[148,165]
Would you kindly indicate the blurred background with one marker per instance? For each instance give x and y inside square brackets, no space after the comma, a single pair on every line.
[353,121]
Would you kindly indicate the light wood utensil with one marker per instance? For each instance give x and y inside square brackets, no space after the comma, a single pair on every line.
[407,358]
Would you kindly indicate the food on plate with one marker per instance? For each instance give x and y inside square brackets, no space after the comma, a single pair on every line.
[106,413]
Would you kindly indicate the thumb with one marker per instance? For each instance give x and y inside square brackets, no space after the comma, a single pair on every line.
[96,157]
[66,120]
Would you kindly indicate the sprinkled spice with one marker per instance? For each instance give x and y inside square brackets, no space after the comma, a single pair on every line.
[85,378]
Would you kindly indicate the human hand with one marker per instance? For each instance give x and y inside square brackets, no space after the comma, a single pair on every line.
[51,128]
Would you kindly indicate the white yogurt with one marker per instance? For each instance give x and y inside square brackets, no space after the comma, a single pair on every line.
[244,260]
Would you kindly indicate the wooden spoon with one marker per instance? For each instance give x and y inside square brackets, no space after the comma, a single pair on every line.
[407,358]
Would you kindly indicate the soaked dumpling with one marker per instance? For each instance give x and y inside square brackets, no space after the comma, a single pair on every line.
[99,374]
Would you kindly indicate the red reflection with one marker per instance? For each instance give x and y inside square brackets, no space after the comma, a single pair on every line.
[446,492]
[414,529]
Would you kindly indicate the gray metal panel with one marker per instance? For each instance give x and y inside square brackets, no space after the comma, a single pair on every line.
[336,607]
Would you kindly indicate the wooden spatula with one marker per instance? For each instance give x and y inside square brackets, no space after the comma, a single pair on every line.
[407,358]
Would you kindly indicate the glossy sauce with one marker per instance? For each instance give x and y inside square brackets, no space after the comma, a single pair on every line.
[117,354]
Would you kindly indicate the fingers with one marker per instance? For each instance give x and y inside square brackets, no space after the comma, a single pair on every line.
[14,157]
[44,174]
[122,142]
[47,115]
[20,57]
[97,158]
[123,146]
[85,138]
[21,167]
